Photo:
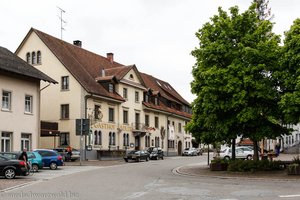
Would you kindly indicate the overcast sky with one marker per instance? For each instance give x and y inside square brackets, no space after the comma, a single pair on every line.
[155,35]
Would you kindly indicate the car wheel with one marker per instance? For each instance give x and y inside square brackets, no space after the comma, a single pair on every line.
[138,160]
[226,158]
[53,166]
[9,173]
[249,157]
[126,160]
[35,167]
[147,158]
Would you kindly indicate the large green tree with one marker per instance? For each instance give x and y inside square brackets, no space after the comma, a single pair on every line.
[233,82]
[289,75]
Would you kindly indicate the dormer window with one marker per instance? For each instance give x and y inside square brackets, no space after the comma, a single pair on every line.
[146,98]
[111,87]
[156,100]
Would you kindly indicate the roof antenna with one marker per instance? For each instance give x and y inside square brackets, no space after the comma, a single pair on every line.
[62,22]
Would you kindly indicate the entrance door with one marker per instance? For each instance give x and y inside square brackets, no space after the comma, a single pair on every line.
[137,142]
[179,148]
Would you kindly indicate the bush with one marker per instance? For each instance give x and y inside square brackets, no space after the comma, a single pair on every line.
[253,166]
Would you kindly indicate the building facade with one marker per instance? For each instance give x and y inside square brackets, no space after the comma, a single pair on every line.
[127,109]
[20,103]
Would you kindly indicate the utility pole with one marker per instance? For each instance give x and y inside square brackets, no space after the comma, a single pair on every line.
[62,22]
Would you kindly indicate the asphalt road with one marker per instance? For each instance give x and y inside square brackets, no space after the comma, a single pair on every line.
[152,180]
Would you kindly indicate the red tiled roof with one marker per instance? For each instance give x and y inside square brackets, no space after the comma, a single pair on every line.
[84,65]
[87,68]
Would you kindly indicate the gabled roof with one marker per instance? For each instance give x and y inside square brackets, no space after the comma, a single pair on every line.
[163,88]
[84,65]
[11,63]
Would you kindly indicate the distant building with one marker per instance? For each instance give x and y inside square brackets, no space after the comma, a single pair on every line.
[127,109]
[20,102]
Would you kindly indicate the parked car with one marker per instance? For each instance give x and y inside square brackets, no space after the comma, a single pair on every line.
[50,158]
[155,153]
[189,152]
[63,152]
[33,157]
[240,152]
[137,155]
[10,168]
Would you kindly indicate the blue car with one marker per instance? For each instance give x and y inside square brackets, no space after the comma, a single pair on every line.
[50,158]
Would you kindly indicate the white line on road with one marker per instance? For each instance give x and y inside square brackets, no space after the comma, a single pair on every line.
[289,196]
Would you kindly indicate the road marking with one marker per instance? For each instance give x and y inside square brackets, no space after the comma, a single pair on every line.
[289,196]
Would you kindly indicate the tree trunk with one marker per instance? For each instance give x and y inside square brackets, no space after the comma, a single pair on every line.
[233,149]
[255,147]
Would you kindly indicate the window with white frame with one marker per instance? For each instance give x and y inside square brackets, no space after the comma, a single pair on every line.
[39,58]
[112,138]
[97,138]
[64,111]
[179,128]
[125,93]
[111,114]
[125,116]
[33,58]
[65,83]
[137,96]
[111,87]
[28,104]
[125,139]
[28,57]
[6,142]
[6,100]
[26,141]
[156,122]
[64,139]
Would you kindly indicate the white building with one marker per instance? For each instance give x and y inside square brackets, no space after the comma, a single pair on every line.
[127,109]
[20,102]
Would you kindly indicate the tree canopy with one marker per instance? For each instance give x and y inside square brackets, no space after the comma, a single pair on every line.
[233,78]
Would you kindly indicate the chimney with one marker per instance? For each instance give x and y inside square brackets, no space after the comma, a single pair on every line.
[77,43]
[103,72]
[110,57]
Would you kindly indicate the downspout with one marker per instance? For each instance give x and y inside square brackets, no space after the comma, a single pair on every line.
[86,97]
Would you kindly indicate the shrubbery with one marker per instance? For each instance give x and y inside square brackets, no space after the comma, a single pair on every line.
[253,166]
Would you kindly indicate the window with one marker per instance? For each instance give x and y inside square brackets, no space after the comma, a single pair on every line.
[125,116]
[137,121]
[25,141]
[125,93]
[156,141]
[131,76]
[98,138]
[147,141]
[39,58]
[156,100]
[179,127]
[33,58]
[64,111]
[111,87]
[112,138]
[147,120]
[65,83]
[28,104]
[156,122]
[6,100]
[137,99]
[146,98]
[6,142]
[64,139]
[171,144]
[28,57]
[111,116]
[125,139]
